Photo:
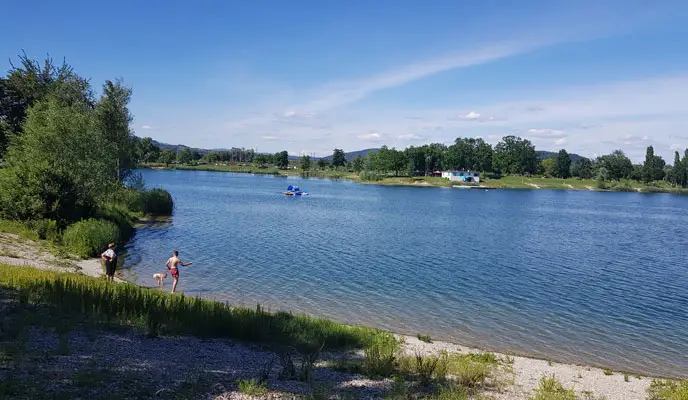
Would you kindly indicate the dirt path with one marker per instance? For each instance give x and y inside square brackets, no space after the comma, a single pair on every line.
[15,250]
[533,185]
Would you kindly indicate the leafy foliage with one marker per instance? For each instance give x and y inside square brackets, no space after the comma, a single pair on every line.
[338,158]
[305,162]
[89,237]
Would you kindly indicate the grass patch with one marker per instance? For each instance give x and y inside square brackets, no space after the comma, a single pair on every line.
[159,312]
[608,372]
[469,370]
[551,389]
[380,357]
[424,338]
[252,387]
[157,202]
[89,237]
[668,390]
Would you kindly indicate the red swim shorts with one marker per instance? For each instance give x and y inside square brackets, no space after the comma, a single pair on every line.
[174,272]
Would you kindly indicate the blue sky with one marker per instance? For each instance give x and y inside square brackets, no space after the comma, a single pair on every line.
[308,76]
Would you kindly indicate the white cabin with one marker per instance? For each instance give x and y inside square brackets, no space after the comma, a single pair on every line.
[462,176]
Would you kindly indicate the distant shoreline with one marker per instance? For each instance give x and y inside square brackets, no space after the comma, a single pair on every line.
[506,182]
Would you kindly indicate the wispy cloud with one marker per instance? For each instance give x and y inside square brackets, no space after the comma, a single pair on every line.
[410,137]
[371,137]
[147,127]
[270,138]
[546,133]
[471,116]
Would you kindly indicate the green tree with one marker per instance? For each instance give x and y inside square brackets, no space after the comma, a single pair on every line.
[113,119]
[548,167]
[582,168]
[653,168]
[145,150]
[59,167]
[563,167]
[338,158]
[31,81]
[305,162]
[282,159]
[358,164]
[185,156]
[675,172]
[618,166]
[514,155]
[166,157]
[323,163]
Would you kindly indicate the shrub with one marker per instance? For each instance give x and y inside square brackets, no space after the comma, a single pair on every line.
[380,357]
[157,202]
[370,176]
[668,390]
[467,371]
[551,389]
[45,229]
[252,387]
[424,338]
[121,216]
[88,237]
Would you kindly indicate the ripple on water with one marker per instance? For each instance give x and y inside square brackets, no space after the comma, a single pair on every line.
[586,277]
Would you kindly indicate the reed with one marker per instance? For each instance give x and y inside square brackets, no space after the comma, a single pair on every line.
[161,313]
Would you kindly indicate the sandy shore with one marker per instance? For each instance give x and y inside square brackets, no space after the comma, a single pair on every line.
[520,377]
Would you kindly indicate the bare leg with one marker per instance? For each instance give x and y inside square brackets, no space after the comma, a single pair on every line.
[174,285]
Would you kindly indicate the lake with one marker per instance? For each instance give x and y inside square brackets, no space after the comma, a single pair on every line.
[575,276]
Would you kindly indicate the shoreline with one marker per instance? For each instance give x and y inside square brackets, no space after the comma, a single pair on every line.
[533,183]
[516,376]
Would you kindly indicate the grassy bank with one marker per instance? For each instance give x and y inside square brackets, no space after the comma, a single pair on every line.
[161,313]
[504,182]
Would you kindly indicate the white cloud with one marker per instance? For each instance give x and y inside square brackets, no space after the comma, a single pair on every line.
[296,114]
[471,116]
[270,138]
[546,133]
[410,137]
[147,127]
[560,142]
[371,137]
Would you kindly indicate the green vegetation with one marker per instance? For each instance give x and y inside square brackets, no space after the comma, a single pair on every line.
[668,390]
[87,238]
[424,338]
[159,312]
[608,372]
[68,157]
[551,389]
[252,387]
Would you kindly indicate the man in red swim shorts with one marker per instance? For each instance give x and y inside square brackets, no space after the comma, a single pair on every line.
[172,265]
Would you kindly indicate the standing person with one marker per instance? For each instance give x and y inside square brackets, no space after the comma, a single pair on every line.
[172,265]
[110,259]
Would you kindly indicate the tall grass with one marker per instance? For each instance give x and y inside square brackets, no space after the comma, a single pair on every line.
[157,202]
[551,389]
[178,314]
[668,390]
[88,237]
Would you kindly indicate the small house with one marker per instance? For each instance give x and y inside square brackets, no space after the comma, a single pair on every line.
[462,176]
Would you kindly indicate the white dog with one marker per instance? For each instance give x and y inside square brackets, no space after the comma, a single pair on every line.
[160,278]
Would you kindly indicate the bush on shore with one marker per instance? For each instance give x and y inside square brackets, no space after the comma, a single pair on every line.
[157,202]
[89,237]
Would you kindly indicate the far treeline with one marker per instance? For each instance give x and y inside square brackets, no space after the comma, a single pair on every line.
[67,158]
[511,156]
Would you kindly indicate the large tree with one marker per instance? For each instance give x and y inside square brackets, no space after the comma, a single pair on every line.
[514,155]
[547,167]
[358,164]
[282,159]
[305,163]
[563,162]
[582,168]
[653,168]
[338,158]
[185,156]
[59,168]
[30,81]
[166,156]
[113,119]
[617,165]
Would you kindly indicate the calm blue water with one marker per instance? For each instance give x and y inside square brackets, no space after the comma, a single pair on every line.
[594,278]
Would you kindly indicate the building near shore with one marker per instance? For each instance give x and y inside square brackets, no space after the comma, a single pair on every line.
[462,176]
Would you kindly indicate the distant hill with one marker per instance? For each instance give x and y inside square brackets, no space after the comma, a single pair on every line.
[353,154]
